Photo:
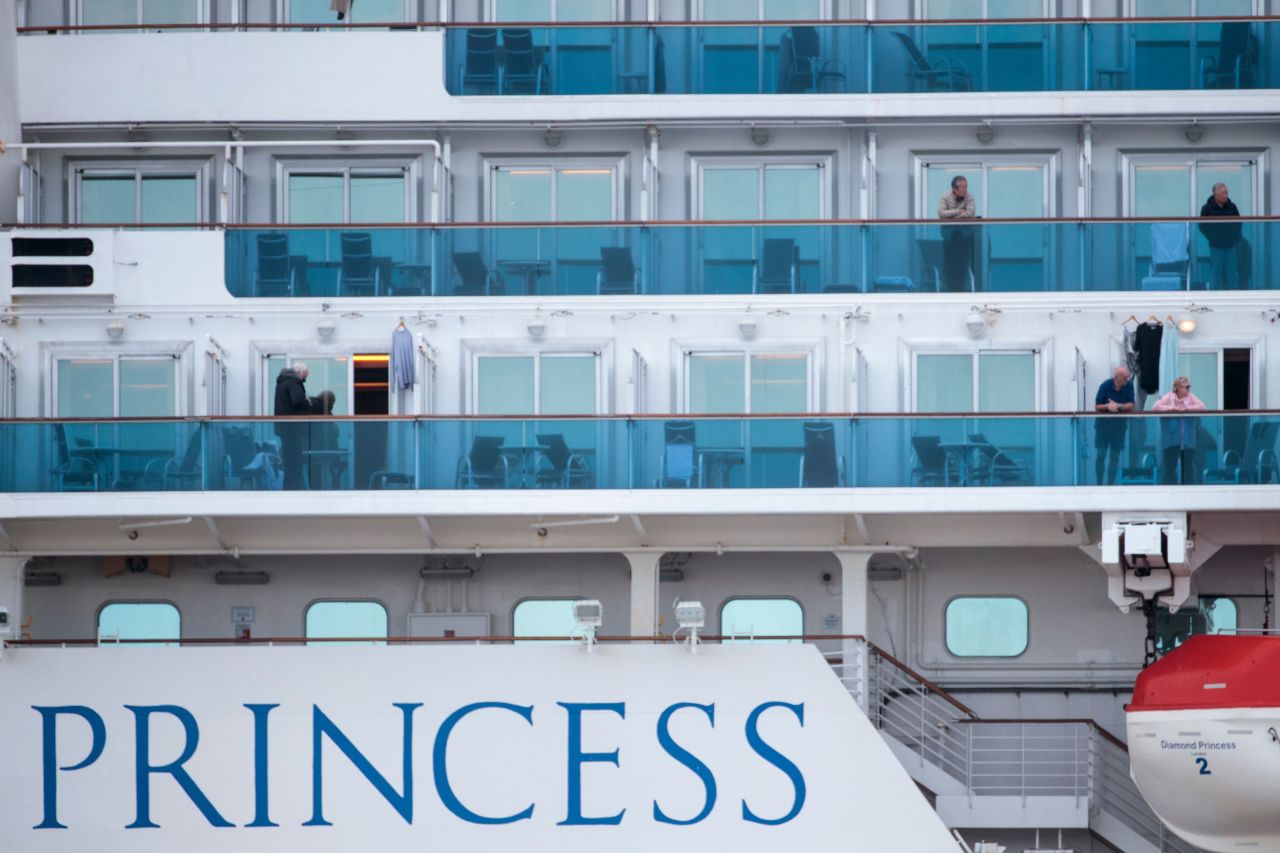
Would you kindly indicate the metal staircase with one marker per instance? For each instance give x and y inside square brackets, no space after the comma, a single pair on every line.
[1004,773]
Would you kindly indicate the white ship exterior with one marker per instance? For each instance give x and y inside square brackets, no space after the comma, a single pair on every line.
[629,302]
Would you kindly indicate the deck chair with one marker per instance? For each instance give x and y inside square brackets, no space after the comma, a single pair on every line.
[779,267]
[1170,259]
[358,275]
[559,467]
[995,466]
[476,279]
[274,276]
[240,455]
[175,473]
[798,57]
[939,75]
[932,467]
[679,469]
[1258,463]
[480,64]
[1145,473]
[618,274]
[820,466]
[520,73]
[73,473]
[1234,66]
[485,466]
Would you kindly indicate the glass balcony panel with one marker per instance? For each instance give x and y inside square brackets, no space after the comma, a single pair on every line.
[811,257]
[694,452]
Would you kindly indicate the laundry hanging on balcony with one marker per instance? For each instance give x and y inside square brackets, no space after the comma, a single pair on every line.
[403,370]
[342,7]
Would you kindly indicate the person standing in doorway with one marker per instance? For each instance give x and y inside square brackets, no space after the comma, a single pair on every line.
[1179,434]
[957,240]
[292,401]
[1224,239]
[1115,396]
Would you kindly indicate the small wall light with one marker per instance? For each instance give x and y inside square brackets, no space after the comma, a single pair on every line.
[986,134]
[536,328]
[326,329]
[1187,324]
[1194,133]
[747,327]
[759,135]
[976,323]
[115,329]
[552,138]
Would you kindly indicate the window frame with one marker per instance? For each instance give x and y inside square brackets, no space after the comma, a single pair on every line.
[812,373]
[984,160]
[180,352]
[284,13]
[408,167]
[700,164]
[202,14]
[386,611]
[491,13]
[516,350]
[617,164]
[1037,349]
[824,12]
[77,169]
[164,602]
[946,608]
[1131,160]
[1046,11]
[1131,9]
[720,624]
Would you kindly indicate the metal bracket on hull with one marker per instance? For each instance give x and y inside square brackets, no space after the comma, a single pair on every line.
[1149,557]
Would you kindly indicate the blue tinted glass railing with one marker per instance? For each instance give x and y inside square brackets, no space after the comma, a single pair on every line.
[857,58]
[780,258]
[793,452]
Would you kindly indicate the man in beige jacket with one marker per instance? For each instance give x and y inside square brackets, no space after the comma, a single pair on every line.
[957,240]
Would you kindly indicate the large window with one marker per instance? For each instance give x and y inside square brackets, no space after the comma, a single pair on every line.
[105,12]
[763,10]
[111,195]
[1192,8]
[549,383]
[345,619]
[584,191]
[553,10]
[958,10]
[116,387]
[544,617]
[986,626]
[347,195]
[766,259]
[744,619]
[743,383]
[362,11]
[153,620]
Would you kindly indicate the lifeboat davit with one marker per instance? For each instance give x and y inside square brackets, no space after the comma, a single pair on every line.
[1204,741]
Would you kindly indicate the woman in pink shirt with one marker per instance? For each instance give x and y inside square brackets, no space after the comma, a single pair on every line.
[1179,433]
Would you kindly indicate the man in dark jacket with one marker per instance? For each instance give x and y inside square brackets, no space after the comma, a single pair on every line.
[1223,239]
[291,401]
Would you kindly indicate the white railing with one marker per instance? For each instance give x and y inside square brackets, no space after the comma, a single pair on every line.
[1018,758]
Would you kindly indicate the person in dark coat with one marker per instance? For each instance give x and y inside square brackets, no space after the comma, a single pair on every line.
[1223,237]
[292,401]
[322,435]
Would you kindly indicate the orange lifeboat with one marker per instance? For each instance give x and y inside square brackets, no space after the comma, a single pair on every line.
[1204,746]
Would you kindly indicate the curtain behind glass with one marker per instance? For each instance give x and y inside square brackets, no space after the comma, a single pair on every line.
[169,198]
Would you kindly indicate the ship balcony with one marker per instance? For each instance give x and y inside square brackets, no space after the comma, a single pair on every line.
[620,72]
[860,58]
[744,258]
[687,453]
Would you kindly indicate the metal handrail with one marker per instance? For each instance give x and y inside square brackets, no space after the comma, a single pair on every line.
[667,24]
[404,640]
[601,224]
